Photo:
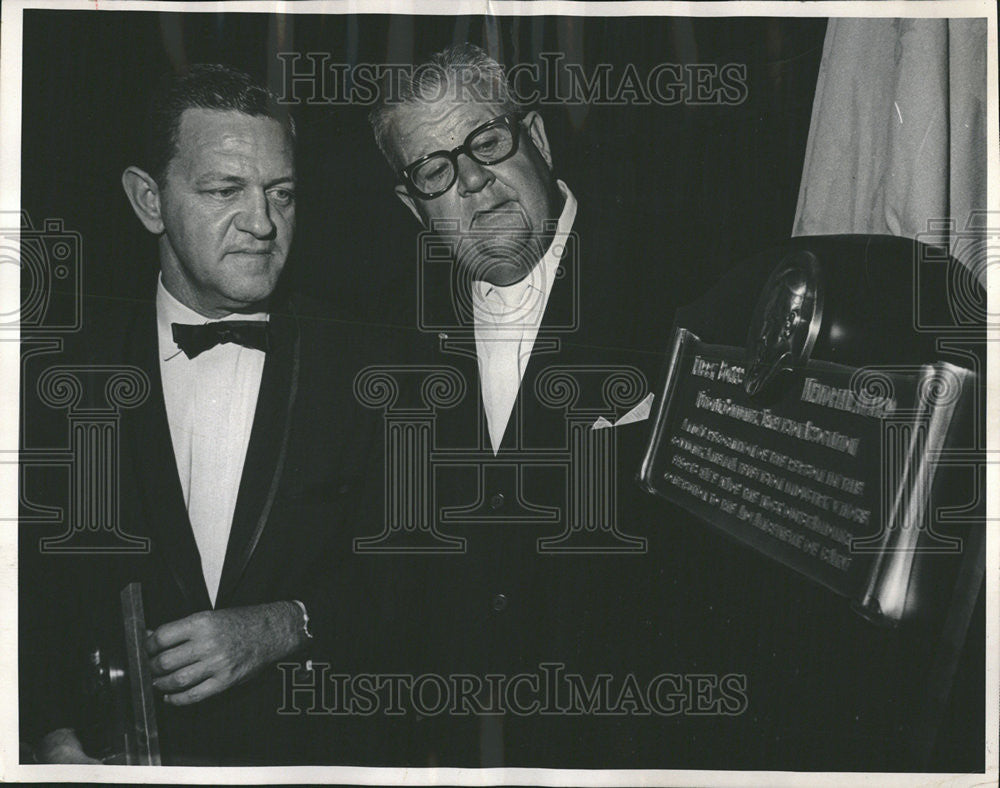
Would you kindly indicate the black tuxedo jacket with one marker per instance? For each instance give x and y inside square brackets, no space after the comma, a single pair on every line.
[511,597]
[295,517]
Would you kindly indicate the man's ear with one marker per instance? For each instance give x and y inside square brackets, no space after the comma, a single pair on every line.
[144,194]
[407,199]
[536,132]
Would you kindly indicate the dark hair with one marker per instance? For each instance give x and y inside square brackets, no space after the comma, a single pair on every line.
[204,86]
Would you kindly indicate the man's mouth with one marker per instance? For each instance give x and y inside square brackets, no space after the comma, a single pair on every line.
[508,215]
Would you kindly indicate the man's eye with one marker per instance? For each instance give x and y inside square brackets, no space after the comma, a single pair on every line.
[436,170]
[282,196]
[486,145]
[487,142]
[225,192]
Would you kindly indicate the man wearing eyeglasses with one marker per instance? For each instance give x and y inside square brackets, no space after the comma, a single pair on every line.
[555,573]
[498,183]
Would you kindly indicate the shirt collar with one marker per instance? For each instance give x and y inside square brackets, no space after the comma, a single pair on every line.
[170,310]
[522,296]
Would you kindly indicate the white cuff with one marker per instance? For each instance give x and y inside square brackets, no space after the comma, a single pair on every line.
[305,618]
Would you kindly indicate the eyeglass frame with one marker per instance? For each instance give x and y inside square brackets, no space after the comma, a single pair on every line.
[512,120]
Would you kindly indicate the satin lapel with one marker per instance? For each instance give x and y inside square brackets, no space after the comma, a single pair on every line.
[466,421]
[148,434]
[560,322]
[562,311]
[265,453]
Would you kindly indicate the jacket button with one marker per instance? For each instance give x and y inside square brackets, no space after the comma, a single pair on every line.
[496,501]
[499,602]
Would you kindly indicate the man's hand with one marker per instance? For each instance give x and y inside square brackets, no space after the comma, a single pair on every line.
[62,746]
[206,653]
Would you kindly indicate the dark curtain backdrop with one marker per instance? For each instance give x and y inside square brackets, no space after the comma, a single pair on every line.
[715,183]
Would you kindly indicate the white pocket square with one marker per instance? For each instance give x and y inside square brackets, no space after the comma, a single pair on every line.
[639,413]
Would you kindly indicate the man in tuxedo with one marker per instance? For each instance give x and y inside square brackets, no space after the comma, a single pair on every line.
[548,551]
[238,467]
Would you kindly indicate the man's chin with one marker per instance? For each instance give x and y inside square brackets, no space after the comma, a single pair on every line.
[501,272]
[499,260]
[250,293]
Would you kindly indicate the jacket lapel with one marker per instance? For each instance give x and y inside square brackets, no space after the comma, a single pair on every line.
[266,451]
[162,499]
[560,321]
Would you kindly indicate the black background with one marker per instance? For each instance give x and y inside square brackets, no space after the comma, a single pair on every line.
[713,183]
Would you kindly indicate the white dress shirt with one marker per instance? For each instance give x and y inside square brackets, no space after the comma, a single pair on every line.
[210,401]
[506,325]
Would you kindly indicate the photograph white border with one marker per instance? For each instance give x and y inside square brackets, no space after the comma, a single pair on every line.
[11,30]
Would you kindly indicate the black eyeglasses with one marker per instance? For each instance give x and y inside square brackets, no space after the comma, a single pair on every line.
[432,175]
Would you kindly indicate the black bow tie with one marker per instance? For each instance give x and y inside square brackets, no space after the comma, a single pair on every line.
[199,338]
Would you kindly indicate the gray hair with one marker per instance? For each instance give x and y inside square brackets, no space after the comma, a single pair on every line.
[464,69]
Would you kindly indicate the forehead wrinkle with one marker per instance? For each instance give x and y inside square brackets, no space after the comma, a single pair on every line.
[208,163]
[239,151]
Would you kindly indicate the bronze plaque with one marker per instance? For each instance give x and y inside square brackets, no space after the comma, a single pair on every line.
[825,467]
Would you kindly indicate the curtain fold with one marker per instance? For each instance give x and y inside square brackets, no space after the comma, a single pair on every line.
[897,141]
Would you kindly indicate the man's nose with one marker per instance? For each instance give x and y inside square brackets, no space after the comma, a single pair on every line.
[472,176]
[255,218]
